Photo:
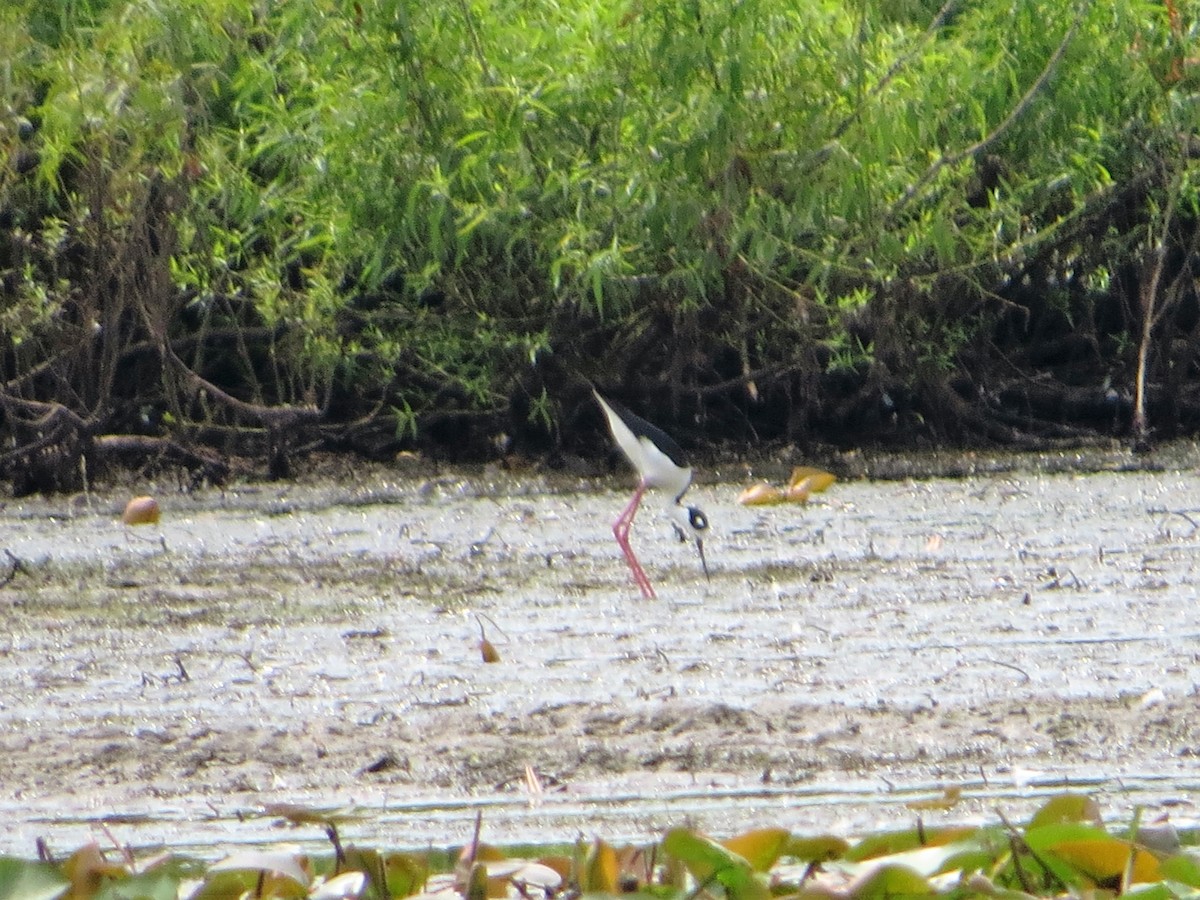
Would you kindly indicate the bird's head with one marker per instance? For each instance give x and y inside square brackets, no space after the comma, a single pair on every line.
[691,524]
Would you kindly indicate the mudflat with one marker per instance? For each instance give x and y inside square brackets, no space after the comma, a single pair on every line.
[1014,633]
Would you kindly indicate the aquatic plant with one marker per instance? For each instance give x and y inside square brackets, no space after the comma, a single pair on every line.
[1063,849]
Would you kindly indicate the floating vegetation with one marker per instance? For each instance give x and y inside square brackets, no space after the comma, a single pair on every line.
[803,483]
[1064,849]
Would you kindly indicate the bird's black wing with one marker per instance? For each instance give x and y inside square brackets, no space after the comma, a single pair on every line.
[643,429]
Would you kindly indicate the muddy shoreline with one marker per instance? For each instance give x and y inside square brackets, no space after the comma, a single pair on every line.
[1016,629]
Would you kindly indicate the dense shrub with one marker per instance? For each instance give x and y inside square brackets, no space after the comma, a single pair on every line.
[253,226]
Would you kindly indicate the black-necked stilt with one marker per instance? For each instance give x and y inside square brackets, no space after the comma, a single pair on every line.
[659,464]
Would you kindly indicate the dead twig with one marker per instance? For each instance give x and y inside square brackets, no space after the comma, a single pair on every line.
[17,566]
[1017,846]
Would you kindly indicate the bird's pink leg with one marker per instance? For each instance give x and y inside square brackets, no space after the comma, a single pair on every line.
[621,533]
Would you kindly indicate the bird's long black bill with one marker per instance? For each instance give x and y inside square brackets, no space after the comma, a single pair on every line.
[703,561]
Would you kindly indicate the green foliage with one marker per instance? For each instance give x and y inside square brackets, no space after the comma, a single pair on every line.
[419,204]
[712,864]
[30,880]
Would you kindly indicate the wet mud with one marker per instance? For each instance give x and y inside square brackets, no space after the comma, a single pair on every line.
[1015,632]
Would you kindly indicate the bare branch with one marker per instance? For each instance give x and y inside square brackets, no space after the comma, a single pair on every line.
[269,416]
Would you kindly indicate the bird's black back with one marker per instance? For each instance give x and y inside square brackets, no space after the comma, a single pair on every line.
[641,428]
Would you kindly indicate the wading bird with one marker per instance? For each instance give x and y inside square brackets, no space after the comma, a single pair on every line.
[659,464]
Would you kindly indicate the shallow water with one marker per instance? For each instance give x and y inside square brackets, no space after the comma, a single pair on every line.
[1011,633]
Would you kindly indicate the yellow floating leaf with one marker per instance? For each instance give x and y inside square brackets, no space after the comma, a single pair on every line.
[814,480]
[600,869]
[141,511]
[798,492]
[1067,808]
[761,494]
[761,847]
[940,837]
[1105,859]
[804,482]
[949,799]
[88,870]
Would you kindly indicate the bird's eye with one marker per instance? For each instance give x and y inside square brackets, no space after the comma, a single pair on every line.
[698,519]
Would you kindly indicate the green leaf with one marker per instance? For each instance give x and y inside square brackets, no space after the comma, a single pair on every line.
[1044,836]
[821,848]
[889,881]
[23,880]
[156,885]
[708,861]
[478,219]
[1183,868]
[471,138]
[700,854]
[1152,892]
[406,873]
[477,883]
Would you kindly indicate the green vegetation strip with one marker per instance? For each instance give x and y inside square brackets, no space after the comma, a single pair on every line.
[1064,849]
